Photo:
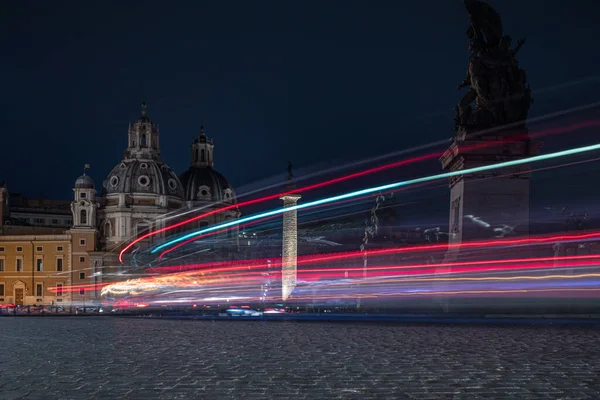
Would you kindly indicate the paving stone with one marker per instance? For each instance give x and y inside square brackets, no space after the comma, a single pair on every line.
[119,358]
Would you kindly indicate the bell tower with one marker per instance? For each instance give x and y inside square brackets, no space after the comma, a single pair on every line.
[84,237]
[84,206]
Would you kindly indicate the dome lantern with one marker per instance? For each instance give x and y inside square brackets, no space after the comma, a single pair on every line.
[143,138]
[202,150]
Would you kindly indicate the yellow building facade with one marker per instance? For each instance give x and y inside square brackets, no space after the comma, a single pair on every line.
[45,265]
[35,270]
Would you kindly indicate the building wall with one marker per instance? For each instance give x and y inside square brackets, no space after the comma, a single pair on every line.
[35,282]
[83,270]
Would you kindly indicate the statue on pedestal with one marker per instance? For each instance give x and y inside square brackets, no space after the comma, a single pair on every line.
[498,91]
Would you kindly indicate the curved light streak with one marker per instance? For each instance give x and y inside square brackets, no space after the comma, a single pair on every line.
[328,257]
[551,131]
[277,195]
[430,178]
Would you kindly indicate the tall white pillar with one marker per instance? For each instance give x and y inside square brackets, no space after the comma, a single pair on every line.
[289,251]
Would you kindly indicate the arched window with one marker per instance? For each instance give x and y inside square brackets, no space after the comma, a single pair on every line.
[195,156]
[144,140]
[107,229]
[83,217]
[202,155]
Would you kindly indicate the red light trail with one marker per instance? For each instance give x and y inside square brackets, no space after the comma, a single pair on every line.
[550,131]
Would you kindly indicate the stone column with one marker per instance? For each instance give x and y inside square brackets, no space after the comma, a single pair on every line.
[289,251]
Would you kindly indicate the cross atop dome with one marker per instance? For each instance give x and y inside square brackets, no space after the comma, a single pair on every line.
[202,138]
[144,109]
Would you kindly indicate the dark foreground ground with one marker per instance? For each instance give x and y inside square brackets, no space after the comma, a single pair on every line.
[135,358]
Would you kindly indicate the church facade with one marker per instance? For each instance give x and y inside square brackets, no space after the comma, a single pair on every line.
[54,256]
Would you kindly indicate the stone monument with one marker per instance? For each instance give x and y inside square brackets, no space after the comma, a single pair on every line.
[289,250]
[490,127]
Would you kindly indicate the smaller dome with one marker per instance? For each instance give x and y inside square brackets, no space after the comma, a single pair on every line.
[206,184]
[84,182]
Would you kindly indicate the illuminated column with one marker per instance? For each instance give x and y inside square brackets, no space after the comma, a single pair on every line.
[289,251]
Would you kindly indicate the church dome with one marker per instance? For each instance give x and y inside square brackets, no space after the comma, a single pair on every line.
[204,183]
[142,176]
[84,182]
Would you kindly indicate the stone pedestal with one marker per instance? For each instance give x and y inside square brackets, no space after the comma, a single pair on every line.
[492,203]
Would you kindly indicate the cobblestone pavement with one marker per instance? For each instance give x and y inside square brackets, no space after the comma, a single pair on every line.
[119,358]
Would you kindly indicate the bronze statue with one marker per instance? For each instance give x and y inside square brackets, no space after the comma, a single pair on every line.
[289,169]
[498,92]
[486,23]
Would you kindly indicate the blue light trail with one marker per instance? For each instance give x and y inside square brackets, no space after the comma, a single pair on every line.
[395,185]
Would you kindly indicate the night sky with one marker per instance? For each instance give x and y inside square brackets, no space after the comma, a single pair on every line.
[312,82]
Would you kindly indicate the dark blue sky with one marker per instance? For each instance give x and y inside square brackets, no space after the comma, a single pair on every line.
[272,80]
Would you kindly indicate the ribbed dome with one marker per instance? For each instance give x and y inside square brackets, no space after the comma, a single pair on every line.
[206,184]
[84,182]
[143,176]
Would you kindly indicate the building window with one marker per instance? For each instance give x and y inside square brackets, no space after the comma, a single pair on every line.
[19,249]
[144,181]
[202,155]
[82,195]
[83,217]
[1,264]
[81,259]
[82,275]
[1,289]
[59,289]
[82,242]
[82,291]
[59,248]
[39,220]
[107,229]
[59,264]
[70,222]
[19,265]
[39,290]
[39,248]
[1,249]
[55,221]
[38,265]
